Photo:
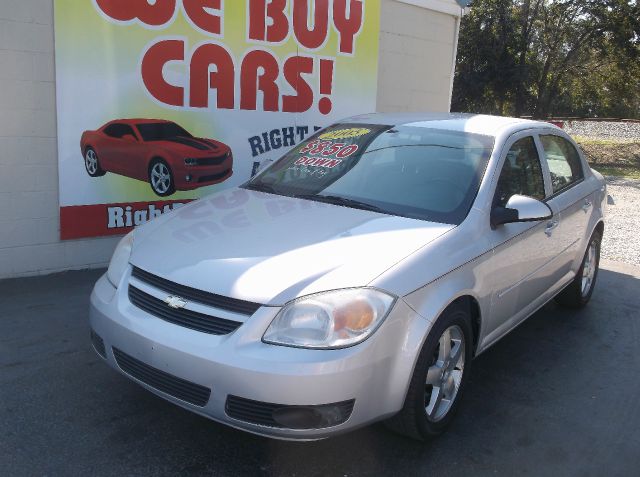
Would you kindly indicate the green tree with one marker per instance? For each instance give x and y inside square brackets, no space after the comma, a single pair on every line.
[549,57]
[485,70]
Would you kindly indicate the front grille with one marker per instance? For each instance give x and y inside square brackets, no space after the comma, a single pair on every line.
[264,414]
[214,177]
[192,294]
[165,382]
[183,317]
[211,161]
[98,344]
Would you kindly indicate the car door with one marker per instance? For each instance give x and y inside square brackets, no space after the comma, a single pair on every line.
[123,148]
[523,253]
[566,175]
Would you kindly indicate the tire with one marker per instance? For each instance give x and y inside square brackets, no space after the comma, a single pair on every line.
[421,417]
[92,164]
[579,291]
[161,178]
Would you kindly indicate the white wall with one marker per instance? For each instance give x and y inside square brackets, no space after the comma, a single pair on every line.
[417,56]
[416,61]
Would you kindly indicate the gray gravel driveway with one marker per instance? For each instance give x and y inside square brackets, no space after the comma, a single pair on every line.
[621,240]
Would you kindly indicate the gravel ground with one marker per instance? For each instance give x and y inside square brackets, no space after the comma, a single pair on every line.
[621,241]
[604,129]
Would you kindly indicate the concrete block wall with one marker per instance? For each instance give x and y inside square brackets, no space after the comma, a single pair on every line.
[29,211]
[416,55]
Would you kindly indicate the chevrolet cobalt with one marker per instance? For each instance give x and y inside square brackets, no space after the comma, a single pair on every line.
[355,279]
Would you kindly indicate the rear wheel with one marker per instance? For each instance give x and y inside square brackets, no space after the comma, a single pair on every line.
[579,291]
[92,164]
[161,178]
[438,378]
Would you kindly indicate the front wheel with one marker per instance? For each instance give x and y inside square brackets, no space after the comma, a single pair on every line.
[579,291]
[161,178]
[92,164]
[438,378]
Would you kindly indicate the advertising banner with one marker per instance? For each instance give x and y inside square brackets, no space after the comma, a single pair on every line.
[162,102]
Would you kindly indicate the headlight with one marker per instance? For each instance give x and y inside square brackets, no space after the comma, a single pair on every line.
[333,319]
[120,259]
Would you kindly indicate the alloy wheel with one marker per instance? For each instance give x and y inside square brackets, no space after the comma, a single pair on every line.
[445,373]
[589,268]
[160,178]
[91,161]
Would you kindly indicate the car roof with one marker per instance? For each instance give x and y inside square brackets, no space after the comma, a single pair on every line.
[462,122]
[134,121]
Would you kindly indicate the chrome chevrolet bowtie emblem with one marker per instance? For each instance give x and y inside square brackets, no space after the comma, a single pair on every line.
[175,302]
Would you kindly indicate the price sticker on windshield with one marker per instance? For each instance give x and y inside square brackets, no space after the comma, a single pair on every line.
[318,162]
[329,149]
[328,152]
[347,133]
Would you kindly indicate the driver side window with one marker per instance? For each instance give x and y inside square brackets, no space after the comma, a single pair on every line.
[521,173]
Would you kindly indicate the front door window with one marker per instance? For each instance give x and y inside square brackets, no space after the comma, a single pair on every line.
[521,173]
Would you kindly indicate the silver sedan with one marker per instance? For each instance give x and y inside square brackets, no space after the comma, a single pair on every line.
[355,279]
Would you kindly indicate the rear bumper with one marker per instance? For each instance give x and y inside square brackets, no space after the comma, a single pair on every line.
[373,374]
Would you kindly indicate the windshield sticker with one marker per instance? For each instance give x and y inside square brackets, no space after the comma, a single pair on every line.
[328,155]
[306,171]
[329,149]
[345,133]
[318,162]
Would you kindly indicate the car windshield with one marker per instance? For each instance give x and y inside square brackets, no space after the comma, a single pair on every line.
[160,131]
[410,171]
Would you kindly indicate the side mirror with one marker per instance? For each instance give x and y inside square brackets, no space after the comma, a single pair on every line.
[129,138]
[520,208]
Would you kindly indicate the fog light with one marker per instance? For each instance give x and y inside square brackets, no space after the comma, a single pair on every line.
[312,417]
[288,416]
[188,178]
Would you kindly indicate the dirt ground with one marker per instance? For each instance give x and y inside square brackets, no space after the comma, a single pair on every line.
[611,157]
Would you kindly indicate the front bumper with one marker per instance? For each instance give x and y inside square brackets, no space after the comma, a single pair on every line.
[374,373]
[193,177]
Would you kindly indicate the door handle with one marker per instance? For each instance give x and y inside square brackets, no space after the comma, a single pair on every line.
[587,205]
[550,226]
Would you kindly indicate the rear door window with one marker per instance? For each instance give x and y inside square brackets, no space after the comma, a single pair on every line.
[563,160]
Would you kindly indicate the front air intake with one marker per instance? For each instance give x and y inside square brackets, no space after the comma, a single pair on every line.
[167,383]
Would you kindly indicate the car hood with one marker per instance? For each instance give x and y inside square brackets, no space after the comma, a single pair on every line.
[271,249]
[193,146]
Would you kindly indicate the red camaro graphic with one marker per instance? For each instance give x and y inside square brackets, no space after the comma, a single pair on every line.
[157,151]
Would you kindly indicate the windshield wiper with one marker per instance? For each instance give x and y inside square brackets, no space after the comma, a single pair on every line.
[261,188]
[337,200]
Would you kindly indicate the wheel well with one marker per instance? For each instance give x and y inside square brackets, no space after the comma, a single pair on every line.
[600,228]
[471,304]
[157,158]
